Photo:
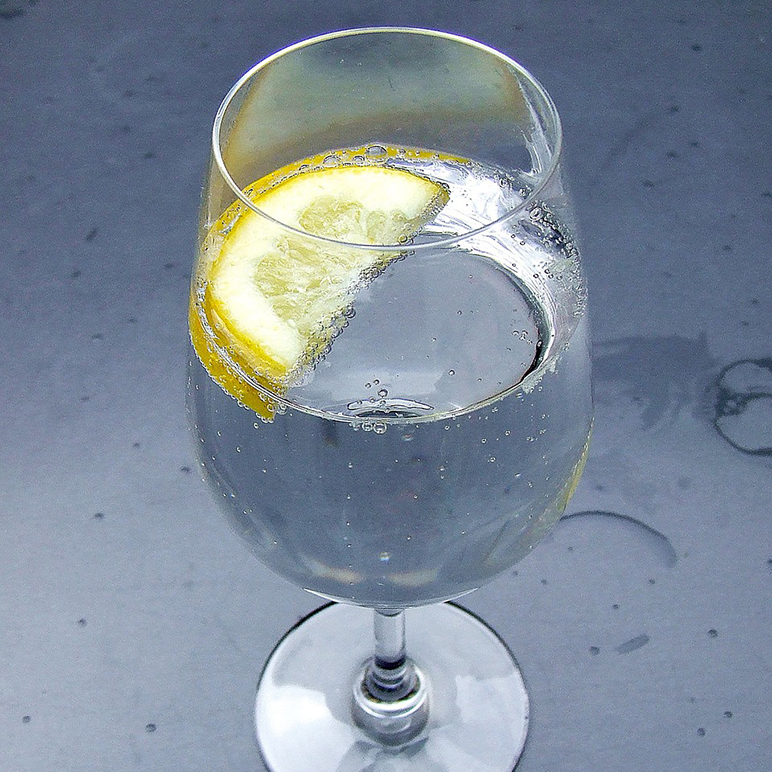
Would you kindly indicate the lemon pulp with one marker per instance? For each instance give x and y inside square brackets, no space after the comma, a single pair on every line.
[273,298]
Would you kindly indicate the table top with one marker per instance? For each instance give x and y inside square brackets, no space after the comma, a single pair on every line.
[133,625]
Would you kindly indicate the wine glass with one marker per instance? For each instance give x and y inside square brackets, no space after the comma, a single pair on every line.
[437,431]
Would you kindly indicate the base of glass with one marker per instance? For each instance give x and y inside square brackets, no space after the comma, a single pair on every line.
[478,705]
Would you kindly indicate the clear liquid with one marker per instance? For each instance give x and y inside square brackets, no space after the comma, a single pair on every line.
[441,435]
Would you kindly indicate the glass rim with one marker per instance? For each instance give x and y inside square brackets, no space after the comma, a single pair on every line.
[429,242]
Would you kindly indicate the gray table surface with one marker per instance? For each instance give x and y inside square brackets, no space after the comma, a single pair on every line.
[133,625]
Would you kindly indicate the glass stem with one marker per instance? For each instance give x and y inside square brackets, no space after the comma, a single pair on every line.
[390,676]
[390,696]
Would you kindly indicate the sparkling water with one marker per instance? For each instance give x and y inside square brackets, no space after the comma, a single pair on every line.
[442,434]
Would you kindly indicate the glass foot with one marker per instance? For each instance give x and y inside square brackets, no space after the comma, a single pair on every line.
[478,705]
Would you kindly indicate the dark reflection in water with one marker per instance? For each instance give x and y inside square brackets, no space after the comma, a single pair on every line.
[664,375]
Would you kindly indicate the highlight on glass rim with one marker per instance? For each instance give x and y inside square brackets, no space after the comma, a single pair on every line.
[389,381]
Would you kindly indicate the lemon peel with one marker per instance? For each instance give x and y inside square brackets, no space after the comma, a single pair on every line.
[274,299]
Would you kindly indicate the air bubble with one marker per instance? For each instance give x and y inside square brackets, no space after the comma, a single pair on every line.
[383,393]
[379,427]
[451,372]
[376,151]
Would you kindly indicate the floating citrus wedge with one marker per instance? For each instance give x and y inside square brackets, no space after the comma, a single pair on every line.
[274,299]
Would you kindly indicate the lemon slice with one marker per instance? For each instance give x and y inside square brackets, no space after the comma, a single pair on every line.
[275,299]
